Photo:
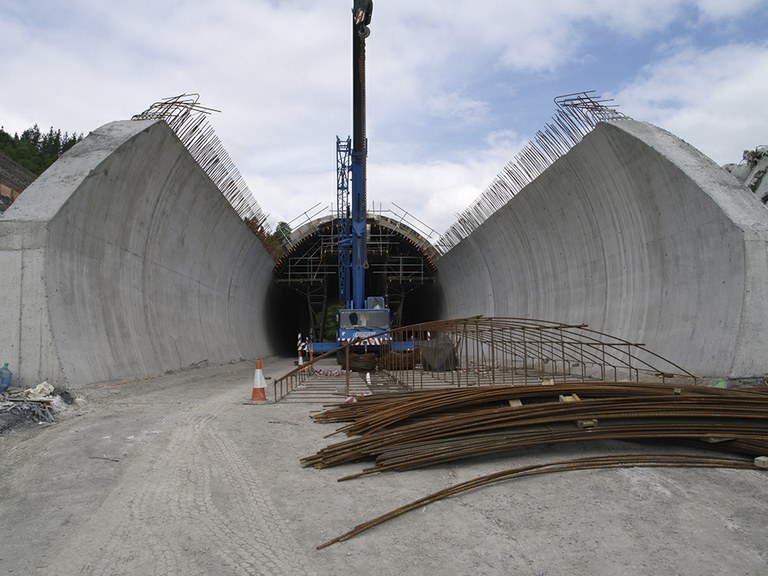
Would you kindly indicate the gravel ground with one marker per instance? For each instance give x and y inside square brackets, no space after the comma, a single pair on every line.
[180,475]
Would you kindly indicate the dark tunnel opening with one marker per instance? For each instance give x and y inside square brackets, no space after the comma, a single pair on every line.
[288,312]
[304,296]
[423,304]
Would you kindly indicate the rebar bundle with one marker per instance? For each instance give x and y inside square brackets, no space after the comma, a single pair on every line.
[577,114]
[407,430]
[189,121]
[410,430]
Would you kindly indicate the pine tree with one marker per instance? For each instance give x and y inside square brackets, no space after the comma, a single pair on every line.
[34,150]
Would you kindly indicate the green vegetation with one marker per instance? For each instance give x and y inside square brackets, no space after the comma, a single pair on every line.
[35,150]
[282,233]
[331,321]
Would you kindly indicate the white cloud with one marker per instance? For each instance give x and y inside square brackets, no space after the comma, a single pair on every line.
[715,99]
[459,109]
[433,192]
[436,191]
[720,9]
[280,71]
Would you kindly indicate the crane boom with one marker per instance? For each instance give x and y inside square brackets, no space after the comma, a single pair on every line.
[362,12]
[364,321]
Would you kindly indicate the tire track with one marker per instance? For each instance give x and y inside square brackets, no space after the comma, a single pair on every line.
[145,518]
[235,507]
[193,506]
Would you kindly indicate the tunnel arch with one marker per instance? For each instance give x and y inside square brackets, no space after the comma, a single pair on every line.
[402,267]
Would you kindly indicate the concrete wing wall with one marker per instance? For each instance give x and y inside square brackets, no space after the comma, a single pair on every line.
[637,234]
[140,264]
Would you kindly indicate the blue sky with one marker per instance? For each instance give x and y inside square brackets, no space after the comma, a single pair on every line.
[455,88]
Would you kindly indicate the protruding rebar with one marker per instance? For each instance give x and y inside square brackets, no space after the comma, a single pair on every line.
[188,120]
[577,114]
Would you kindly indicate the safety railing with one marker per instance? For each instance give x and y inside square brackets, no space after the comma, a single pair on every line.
[289,382]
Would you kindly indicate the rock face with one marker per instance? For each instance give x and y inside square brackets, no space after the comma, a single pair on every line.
[637,234]
[123,260]
[14,178]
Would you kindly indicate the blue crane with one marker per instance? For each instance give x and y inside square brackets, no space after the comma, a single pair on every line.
[362,317]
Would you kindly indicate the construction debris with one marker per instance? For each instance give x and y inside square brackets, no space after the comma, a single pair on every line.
[39,404]
[42,390]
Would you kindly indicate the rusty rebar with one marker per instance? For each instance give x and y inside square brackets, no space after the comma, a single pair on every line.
[576,115]
[588,463]
[188,120]
[408,430]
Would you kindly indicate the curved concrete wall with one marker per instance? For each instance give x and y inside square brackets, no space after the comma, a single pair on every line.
[124,260]
[637,234]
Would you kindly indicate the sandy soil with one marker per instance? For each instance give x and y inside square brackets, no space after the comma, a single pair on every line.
[178,475]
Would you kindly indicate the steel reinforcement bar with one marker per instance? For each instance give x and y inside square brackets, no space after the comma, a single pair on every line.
[444,426]
[590,463]
[576,115]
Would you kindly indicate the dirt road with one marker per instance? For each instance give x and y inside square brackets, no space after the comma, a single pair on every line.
[177,475]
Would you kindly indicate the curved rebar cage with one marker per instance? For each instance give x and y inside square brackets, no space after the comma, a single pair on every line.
[484,351]
[489,351]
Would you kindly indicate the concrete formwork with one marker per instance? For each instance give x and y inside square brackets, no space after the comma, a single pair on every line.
[124,260]
[637,234]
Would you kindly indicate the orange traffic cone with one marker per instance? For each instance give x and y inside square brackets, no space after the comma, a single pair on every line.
[259,393]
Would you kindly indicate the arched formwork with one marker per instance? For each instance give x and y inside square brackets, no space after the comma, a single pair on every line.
[123,260]
[637,234]
[400,261]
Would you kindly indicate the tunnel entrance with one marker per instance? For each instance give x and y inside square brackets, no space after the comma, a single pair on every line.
[402,267]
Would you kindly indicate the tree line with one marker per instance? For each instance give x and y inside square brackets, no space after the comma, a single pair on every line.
[36,150]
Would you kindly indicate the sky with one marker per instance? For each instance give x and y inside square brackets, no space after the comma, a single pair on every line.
[454,89]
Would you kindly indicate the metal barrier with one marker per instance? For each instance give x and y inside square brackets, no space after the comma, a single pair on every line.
[286,384]
[283,386]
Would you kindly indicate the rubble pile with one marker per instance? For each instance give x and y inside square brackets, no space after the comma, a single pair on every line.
[39,404]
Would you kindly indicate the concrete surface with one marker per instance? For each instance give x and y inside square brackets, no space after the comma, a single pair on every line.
[178,475]
[637,234]
[124,260]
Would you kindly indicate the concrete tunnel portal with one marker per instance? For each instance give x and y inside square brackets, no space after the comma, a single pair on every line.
[402,267]
[125,260]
